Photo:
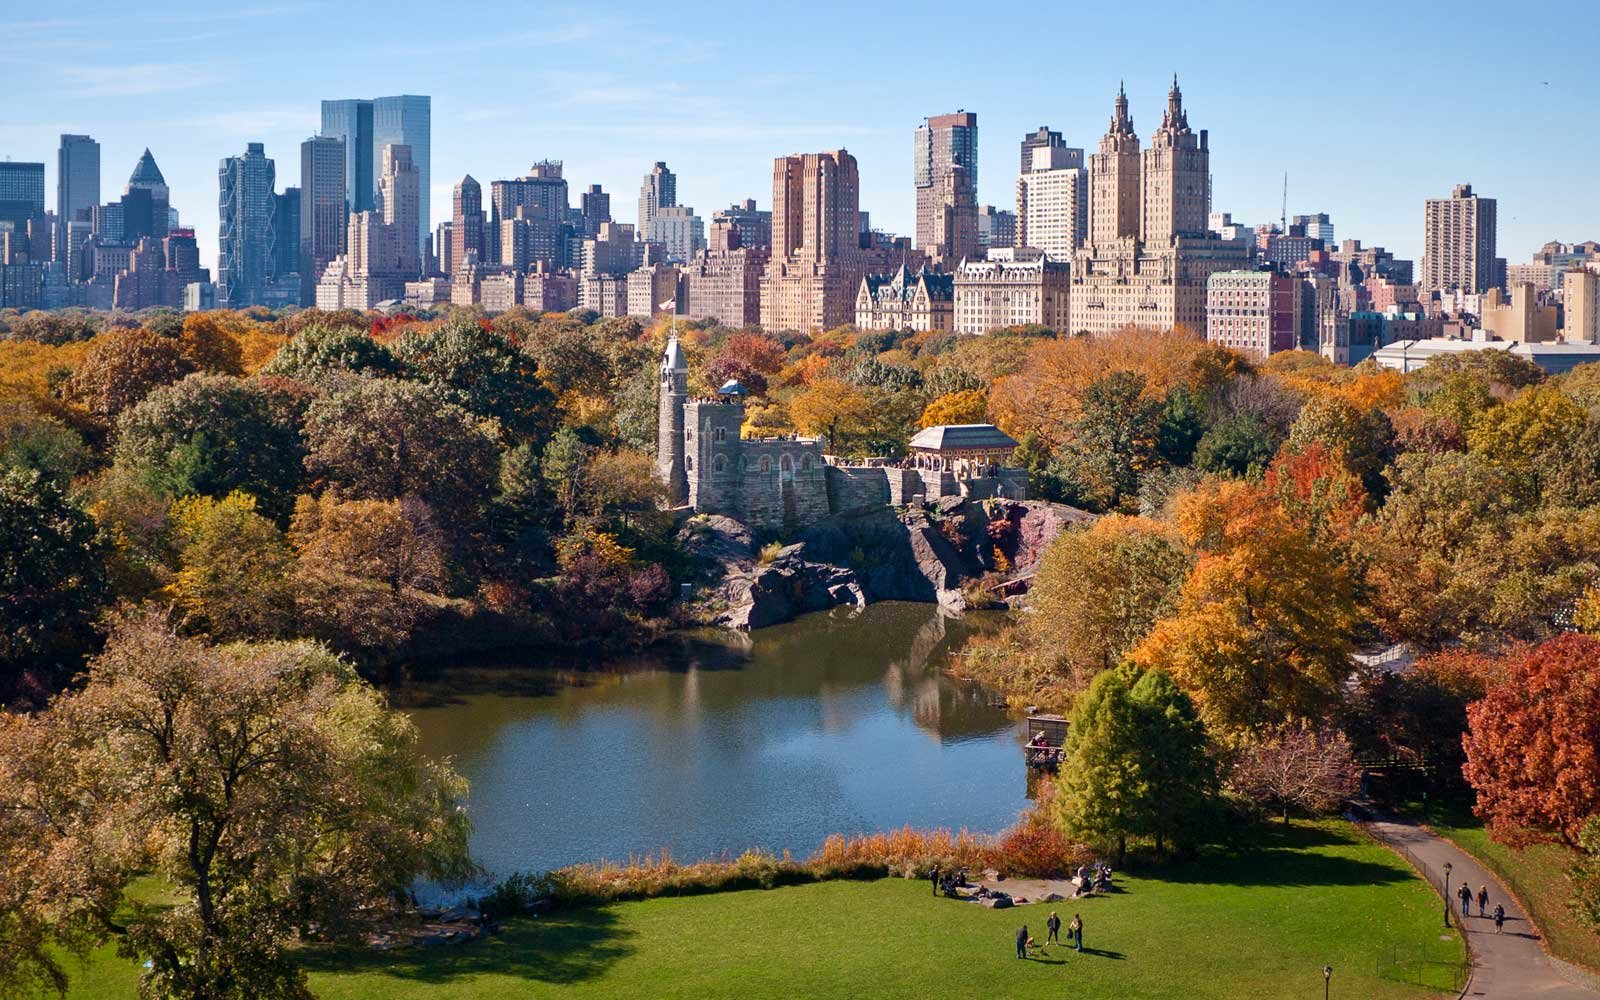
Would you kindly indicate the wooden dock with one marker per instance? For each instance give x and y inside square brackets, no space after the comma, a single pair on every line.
[1047,735]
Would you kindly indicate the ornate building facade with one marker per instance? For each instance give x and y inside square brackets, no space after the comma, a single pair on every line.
[1149,253]
[901,301]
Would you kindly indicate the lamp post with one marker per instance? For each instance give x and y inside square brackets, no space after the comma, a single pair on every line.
[1327,980]
[1447,894]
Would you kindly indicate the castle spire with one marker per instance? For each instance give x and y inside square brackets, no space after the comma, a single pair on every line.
[672,360]
[1121,123]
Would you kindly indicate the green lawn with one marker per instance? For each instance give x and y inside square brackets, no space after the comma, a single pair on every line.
[1257,923]
[1537,874]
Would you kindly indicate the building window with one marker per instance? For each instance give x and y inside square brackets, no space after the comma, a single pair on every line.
[688,462]
[786,464]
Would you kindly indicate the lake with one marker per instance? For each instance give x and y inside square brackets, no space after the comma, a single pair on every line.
[714,742]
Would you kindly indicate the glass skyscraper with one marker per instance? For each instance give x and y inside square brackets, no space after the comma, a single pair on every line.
[244,257]
[366,126]
[77,184]
[21,192]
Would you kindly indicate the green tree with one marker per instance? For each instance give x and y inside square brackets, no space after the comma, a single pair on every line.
[484,373]
[1178,769]
[30,439]
[1113,441]
[267,787]
[563,467]
[52,577]
[381,439]
[1182,426]
[1102,789]
[211,435]
[1238,445]
[328,356]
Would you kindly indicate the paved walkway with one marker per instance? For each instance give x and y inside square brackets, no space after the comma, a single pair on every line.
[1508,966]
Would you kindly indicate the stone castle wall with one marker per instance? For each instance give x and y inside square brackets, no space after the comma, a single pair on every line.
[784,484]
[857,489]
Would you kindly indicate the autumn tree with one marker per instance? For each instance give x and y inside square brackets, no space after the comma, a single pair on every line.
[1514,434]
[233,569]
[1099,590]
[622,485]
[33,439]
[268,788]
[1362,438]
[1317,489]
[1297,766]
[564,467]
[1239,445]
[208,346]
[967,406]
[363,568]
[52,578]
[1533,743]
[1261,631]
[380,439]
[121,368]
[836,410]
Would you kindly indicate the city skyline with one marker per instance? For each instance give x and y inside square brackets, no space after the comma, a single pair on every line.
[672,101]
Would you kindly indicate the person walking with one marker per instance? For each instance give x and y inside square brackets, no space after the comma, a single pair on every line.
[1466,899]
[1022,941]
[1483,899]
[1052,929]
[1499,918]
[934,878]
[1075,932]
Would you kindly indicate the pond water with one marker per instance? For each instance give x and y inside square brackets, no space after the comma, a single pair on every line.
[842,721]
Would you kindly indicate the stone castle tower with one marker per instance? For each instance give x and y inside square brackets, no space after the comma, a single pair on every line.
[1176,173]
[674,393]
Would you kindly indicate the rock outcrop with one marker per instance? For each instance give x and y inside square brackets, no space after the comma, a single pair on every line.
[918,553]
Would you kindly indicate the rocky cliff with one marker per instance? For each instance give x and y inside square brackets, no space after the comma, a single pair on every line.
[918,553]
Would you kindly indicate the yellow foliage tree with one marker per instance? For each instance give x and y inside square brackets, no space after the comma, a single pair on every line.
[968,406]
[1514,434]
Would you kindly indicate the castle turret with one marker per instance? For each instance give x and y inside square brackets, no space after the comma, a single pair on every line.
[674,392]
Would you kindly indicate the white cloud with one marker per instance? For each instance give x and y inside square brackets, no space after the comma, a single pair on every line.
[257,122]
[135,80]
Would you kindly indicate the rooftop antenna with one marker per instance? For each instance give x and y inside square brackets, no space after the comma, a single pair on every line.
[1283,220]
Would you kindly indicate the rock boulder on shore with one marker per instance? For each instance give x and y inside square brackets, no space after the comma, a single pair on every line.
[917,553]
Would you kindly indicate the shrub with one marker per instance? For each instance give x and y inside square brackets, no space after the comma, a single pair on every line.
[769,553]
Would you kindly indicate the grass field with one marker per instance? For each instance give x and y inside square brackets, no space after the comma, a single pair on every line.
[1259,922]
[1537,874]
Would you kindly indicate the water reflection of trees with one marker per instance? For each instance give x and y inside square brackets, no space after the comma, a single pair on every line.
[824,662]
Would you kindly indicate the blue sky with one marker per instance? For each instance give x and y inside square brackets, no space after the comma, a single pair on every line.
[1369,108]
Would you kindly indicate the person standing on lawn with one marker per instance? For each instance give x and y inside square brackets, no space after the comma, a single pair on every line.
[934,878]
[1075,932]
[1022,941]
[1052,929]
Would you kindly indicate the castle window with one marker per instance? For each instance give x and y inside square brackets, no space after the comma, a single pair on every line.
[719,463]
[766,464]
[786,464]
[688,462]
[805,462]
[721,435]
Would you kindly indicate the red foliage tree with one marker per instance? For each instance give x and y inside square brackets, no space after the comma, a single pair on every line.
[1533,743]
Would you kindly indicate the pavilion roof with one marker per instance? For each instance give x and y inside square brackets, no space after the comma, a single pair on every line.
[957,437]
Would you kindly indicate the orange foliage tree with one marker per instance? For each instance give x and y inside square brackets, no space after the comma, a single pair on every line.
[1045,395]
[1533,743]
[1261,633]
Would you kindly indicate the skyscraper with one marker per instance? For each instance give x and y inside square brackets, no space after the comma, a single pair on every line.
[366,126]
[399,201]
[245,239]
[286,236]
[1114,179]
[945,173]
[1041,137]
[322,210]
[659,190]
[77,184]
[596,208]
[146,176]
[1053,202]
[1176,176]
[351,122]
[21,192]
[1458,243]
[815,267]
[407,120]
[541,194]
[466,224]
